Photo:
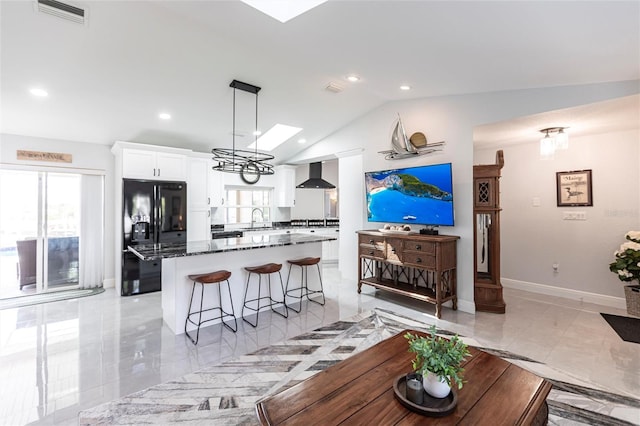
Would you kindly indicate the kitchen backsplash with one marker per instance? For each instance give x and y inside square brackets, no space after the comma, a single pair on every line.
[294,223]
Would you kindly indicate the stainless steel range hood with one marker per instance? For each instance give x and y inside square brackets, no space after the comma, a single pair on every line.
[315,180]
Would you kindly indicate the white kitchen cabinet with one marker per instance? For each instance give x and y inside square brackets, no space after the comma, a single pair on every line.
[205,189]
[153,165]
[198,183]
[330,249]
[216,187]
[198,225]
[285,186]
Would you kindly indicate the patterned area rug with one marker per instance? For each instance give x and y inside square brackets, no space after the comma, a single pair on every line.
[226,394]
[54,296]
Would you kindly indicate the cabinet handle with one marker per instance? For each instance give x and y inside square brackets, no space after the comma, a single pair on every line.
[371,253]
[209,213]
[222,201]
[418,247]
[393,251]
[313,230]
[154,171]
[158,172]
[371,241]
[208,201]
[418,260]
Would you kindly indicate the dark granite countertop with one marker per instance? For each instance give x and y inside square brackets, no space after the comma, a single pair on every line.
[249,242]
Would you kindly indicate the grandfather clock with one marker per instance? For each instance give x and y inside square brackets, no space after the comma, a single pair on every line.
[486,233]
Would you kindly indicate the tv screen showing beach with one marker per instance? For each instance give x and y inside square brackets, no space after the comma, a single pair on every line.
[415,195]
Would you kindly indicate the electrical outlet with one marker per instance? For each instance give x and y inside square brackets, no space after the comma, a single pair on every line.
[574,216]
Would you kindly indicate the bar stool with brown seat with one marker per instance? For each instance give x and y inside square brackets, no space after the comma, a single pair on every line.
[266,269]
[304,263]
[210,278]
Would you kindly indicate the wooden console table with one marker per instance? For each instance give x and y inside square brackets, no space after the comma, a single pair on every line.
[359,390]
[419,266]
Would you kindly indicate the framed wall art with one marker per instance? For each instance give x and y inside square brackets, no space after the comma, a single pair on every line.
[574,188]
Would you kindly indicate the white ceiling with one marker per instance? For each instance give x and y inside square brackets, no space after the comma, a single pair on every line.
[600,117]
[109,79]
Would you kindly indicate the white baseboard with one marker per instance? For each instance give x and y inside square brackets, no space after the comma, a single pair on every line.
[466,306]
[109,283]
[581,296]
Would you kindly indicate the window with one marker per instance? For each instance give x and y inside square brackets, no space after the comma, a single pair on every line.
[247,205]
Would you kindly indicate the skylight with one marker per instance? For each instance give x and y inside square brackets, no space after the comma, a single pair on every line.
[275,137]
[283,10]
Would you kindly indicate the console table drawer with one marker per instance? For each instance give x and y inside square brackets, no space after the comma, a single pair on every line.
[421,260]
[374,240]
[421,246]
[371,252]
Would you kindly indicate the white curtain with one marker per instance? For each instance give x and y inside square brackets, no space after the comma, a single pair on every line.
[92,231]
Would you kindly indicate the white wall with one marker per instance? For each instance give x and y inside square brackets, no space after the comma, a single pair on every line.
[85,156]
[351,194]
[452,119]
[310,202]
[533,238]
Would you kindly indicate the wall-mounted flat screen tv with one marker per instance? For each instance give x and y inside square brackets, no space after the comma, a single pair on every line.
[413,195]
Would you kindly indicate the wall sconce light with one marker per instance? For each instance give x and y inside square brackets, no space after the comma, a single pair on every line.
[555,138]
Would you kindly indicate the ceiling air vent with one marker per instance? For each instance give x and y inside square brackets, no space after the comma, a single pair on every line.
[62,10]
[333,88]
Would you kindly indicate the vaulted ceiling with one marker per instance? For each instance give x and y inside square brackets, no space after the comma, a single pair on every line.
[108,80]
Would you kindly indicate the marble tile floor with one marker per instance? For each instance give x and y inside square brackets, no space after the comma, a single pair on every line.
[60,358]
[226,393]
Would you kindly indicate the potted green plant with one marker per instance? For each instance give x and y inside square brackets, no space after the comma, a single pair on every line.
[627,267]
[438,360]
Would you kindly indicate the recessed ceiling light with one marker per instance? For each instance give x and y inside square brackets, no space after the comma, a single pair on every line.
[41,93]
[405,87]
[302,140]
[353,78]
[164,116]
[283,10]
[275,136]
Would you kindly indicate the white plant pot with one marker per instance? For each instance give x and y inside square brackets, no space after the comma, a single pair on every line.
[436,387]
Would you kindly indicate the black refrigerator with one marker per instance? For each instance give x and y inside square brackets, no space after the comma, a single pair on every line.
[153,212]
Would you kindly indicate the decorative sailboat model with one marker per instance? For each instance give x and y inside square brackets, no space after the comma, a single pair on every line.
[404,147]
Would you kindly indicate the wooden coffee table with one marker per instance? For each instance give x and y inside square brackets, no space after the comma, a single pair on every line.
[359,390]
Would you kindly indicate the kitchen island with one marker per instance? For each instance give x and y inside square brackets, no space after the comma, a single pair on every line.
[231,254]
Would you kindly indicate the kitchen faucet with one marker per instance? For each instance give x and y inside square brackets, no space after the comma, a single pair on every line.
[256,209]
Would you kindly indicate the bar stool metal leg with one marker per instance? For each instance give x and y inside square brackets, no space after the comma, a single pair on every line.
[292,290]
[233,313]
[187,320]
[304,282]
[321,291]
[244,305]
[267,269]
[211,278]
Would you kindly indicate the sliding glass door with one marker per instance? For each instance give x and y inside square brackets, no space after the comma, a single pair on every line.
[39,231]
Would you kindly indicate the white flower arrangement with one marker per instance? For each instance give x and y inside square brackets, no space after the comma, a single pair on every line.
[627,262]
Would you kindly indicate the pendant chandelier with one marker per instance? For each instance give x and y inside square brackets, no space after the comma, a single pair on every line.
[249,164]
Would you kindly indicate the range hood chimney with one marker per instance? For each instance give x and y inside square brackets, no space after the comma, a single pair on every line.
[315,180]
